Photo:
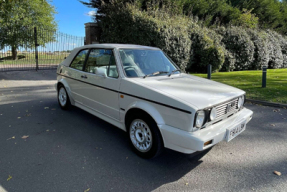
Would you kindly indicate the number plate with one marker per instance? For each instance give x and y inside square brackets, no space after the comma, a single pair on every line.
[232,133]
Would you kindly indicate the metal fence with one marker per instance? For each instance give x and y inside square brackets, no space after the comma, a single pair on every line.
[36,50]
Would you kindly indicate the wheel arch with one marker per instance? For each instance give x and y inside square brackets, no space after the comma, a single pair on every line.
[143,107]
[148,109]
[64,83]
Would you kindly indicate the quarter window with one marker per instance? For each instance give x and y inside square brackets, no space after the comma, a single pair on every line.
[79,61]
[102,58]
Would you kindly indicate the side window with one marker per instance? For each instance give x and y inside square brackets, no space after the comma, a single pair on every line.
[79,60]
[112,69]
[104,59]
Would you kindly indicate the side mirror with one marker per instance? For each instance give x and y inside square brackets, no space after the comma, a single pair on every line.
[101,72]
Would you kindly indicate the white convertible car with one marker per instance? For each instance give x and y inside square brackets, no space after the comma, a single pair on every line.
[141,91]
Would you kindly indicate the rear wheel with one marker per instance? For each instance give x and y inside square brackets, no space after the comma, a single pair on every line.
[144,136]
[63,98]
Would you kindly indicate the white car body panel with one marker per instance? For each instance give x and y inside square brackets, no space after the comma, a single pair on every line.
[101,99]
[147,107]
[180,119]
[100,115]
[197,92]
[171,101]
[190,142]
[75,86]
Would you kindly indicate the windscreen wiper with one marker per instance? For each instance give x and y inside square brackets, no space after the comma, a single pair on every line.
[156,73]
[173,72]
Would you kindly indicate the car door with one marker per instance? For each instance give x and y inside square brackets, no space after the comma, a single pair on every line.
[74,73]
[100,93]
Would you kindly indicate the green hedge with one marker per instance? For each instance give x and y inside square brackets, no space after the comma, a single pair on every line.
[259,39]
[240,47]
[191,46]
[126,24]
[205,50]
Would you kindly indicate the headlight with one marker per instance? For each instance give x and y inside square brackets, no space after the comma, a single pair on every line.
[240,102]
[200,118]
[213,114]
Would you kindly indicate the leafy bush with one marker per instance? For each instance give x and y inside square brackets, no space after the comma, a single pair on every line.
[205,50]
[239,46]
[172,33]
[127,24]
[275,57]
[261,53]
[282,41]
[188,43]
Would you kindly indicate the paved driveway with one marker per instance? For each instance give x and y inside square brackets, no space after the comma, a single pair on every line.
[75,151]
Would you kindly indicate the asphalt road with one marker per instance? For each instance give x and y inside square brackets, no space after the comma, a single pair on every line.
[75,151]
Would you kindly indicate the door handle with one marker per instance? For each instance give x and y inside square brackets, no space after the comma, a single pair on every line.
[84,76]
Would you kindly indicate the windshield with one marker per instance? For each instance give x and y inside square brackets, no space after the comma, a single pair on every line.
[143,63]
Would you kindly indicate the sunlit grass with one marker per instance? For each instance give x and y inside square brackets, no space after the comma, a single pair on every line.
[251,82]
[30,59]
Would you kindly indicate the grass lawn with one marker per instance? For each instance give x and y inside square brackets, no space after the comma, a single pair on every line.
[251,82]
[30,59]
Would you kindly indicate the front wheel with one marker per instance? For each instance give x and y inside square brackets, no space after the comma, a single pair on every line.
[63,98]
[144,136]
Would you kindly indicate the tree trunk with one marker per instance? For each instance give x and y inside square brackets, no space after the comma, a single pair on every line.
[14,53]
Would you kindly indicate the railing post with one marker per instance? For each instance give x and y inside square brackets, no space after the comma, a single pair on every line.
[36,48]
[264,73]
[209,70]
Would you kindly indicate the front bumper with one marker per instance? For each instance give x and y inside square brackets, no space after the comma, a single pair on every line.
[190,142]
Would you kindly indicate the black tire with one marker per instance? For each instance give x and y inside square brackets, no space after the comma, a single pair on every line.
[157,142]
[67,104]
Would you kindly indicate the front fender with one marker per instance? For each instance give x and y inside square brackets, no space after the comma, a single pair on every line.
[66,85]
[148,108]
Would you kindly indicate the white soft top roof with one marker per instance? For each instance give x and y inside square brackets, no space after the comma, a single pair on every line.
[105,46]
[117,46]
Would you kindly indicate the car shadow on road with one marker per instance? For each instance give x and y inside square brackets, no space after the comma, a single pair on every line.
[74,141]
[128,168]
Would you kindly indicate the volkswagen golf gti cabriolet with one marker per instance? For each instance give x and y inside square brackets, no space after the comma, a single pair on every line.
[140,90]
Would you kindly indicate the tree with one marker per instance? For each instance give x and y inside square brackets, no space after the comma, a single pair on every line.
[265,14]
[271,13]
[18,19]
[246,19]
[210,11]
[99,5]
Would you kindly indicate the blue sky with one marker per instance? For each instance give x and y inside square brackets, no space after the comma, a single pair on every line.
[71,17]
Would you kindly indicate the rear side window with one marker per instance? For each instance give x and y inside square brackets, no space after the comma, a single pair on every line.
[79,60]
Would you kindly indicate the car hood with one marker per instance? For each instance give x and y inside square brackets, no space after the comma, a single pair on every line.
[196,91]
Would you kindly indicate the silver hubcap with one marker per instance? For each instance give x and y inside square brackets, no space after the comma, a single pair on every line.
[140,135]
[62,96]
